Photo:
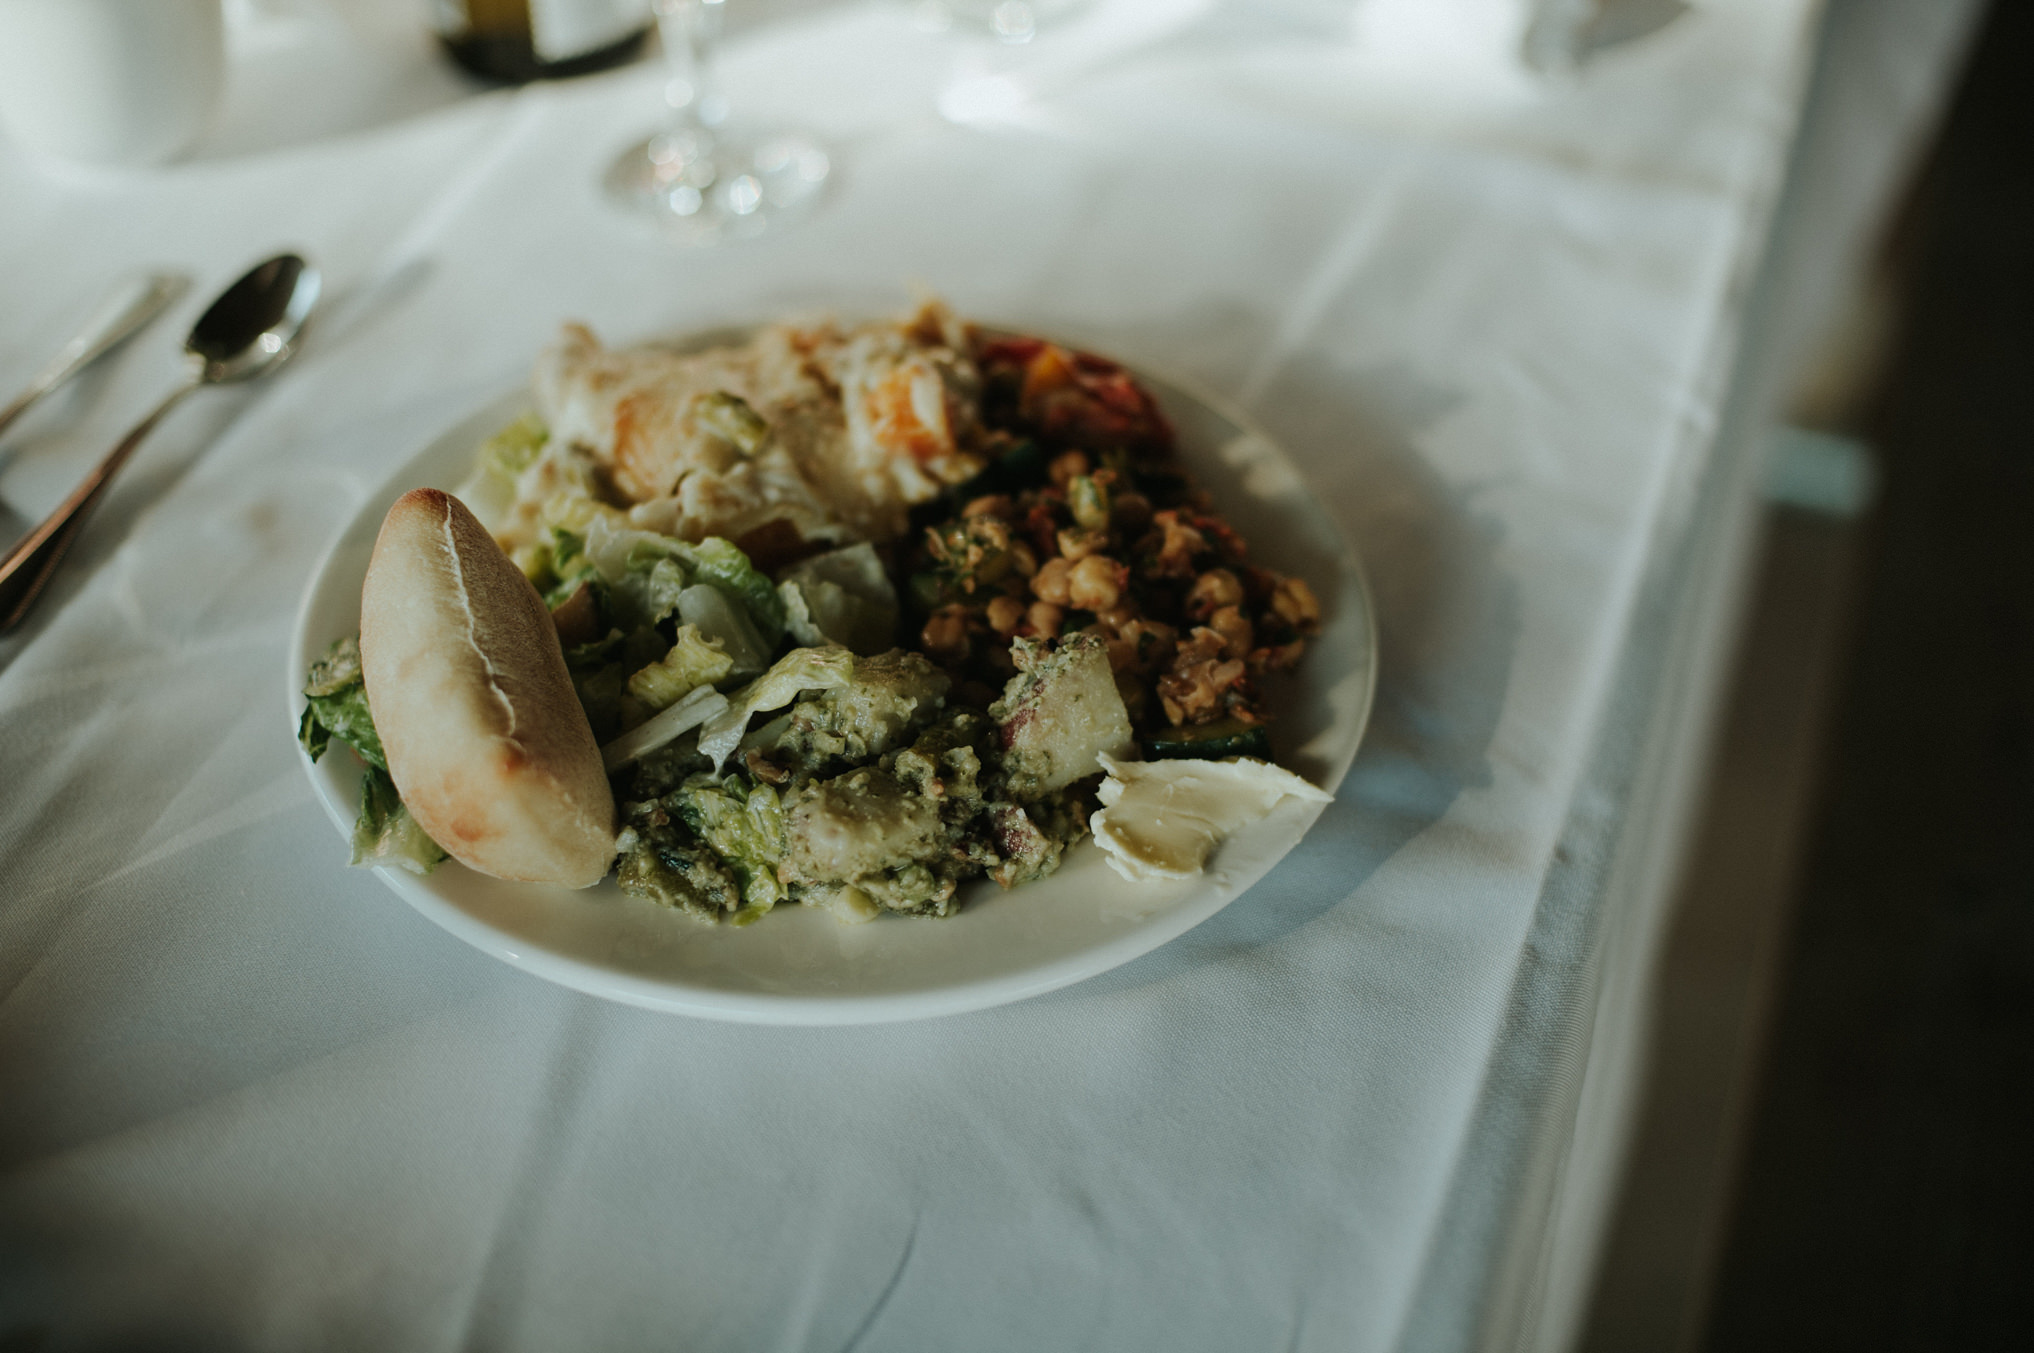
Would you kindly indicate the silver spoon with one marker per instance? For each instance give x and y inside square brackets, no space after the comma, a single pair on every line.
[249,331]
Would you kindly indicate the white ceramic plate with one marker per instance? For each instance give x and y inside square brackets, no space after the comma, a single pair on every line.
[800,966]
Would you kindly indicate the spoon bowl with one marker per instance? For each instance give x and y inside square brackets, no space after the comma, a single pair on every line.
[249,331]
[255,322]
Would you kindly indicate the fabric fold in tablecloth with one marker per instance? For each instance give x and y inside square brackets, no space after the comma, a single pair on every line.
[257,1102]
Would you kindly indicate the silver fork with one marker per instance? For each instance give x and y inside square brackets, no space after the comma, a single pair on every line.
[125,312]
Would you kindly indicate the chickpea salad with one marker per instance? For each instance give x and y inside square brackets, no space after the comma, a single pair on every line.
[861,613]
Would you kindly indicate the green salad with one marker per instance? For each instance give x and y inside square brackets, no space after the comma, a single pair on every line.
[766,739]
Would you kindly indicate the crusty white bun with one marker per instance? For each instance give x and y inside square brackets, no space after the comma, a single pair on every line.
[485,738]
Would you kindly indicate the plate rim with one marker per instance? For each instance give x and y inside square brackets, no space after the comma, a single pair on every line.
[673,996]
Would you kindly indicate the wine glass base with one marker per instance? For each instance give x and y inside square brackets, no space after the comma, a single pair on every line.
[700,186]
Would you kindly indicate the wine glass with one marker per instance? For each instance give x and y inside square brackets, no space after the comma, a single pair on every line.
[707,177]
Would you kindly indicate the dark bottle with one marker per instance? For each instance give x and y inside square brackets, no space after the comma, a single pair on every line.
[516,41]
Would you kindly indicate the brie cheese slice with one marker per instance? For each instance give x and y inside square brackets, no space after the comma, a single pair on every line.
[1162,819]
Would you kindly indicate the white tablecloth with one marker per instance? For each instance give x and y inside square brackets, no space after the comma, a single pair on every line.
[248,1099]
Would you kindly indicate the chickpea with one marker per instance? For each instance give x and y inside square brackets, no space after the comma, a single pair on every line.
[946,633]
[1022,559]
[986,535]
[1203,645]
[1238,634]
[1294,602]
[1095,583]
[1066,466]
[1077,543]
[1176,545]
[1088,500]
[1213,590]
[1050,583]
[1044,619]
[988,505]
[1006,615]
[1278,657]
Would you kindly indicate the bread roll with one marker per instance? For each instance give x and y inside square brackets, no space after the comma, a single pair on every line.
[485,738]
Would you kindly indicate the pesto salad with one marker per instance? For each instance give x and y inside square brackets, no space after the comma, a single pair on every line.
[858,615]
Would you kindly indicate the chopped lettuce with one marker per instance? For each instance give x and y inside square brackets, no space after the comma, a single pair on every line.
[841,597]
[535,562]
[730,418]
[599,653]
[569,558]
[741,821]
[575,498]
[616,550]
[663,728]
[558,568]
[719,563]
[656,589]
[641,569]
[802,669]
[515,448]
[575,508]
[649,572]
[498,467]
[337,706]
[385,833]
[891,695]
[694,661]
[657,865]
[713,614]
[600,672]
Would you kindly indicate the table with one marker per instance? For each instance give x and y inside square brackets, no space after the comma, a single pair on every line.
[251,1100]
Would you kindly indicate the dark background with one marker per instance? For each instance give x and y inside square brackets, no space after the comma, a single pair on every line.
[1887,1195]
[1867,1183]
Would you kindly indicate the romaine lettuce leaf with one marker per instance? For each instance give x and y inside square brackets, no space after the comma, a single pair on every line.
[656,589]
[618,551]
[515,448]
[677,873]
[385,833]
[693,661]
[802,669]
[661,729]
[600,672]
[498,466]
[731,418]
[337,706]
[723,620]
[719,563]
[648,572]
[741,821]
[841,597]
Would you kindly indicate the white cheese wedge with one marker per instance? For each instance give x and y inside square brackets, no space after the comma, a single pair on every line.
[1162,819]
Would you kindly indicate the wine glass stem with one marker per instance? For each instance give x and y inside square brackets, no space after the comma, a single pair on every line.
[690,30]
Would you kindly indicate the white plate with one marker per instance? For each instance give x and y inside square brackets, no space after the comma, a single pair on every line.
[800,966]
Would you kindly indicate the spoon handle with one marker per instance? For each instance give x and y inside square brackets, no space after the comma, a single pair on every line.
[29,566]
[124,313]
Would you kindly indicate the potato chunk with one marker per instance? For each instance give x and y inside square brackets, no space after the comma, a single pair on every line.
[1060,714]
